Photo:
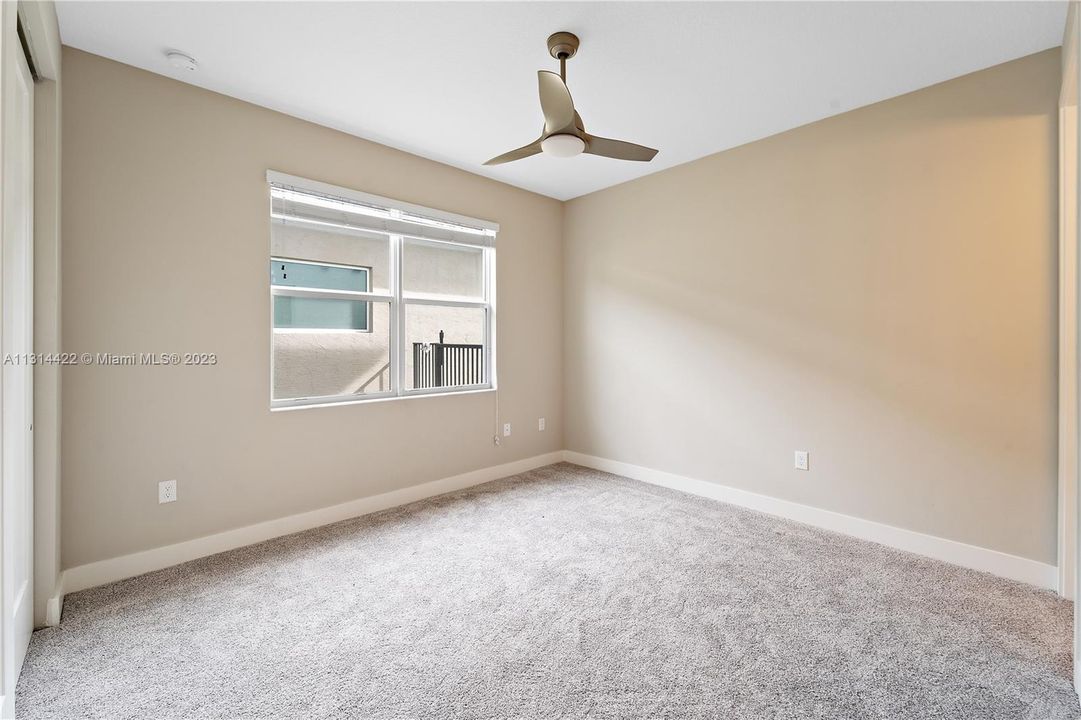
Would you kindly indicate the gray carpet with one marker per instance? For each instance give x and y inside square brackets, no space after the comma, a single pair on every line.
[561,592]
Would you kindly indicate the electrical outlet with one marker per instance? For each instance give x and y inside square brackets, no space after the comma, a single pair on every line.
[541,424]
[802,460]
[167,491]
[506,429]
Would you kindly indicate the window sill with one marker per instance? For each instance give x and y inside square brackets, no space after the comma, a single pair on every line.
[326,403]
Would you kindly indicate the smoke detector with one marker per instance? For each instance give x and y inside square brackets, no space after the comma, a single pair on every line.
[180,61]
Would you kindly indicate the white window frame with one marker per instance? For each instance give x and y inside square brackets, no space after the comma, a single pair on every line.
[398,231]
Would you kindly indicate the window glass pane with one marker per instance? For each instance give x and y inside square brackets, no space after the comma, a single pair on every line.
[320,314]
[294,273]
[318,363]
[360,250]
[444,347]
[442,269]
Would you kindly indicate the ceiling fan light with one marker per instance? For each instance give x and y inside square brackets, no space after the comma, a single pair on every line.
[563,145]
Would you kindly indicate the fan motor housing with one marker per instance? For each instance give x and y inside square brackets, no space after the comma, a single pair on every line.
[562,45]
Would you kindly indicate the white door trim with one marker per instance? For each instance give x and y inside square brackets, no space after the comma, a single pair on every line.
[42,31]
[1068,352]
[16,340]
[1069,555]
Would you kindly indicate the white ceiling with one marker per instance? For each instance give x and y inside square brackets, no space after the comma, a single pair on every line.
[456,82]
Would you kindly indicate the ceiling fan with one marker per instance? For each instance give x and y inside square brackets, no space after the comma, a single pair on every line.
[564,134]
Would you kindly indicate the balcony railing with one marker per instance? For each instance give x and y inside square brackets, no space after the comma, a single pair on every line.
[444,364]
[376,382]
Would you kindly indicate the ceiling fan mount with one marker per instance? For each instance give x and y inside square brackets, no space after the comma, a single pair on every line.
[563,45]
[564,133]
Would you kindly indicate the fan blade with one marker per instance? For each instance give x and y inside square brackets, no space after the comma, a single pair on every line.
[618,149]
[523,152]
[555,101]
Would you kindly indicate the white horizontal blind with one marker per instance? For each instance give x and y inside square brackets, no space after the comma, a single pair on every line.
[309,203]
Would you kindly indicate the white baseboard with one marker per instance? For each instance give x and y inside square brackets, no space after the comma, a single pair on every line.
[951,551]
[113,569]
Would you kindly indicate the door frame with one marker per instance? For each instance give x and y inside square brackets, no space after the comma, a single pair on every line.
[42,33]
[16,336]
[1069,500]
[1068,313]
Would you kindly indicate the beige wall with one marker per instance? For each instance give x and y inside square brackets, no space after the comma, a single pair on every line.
[166,246]
[878,288]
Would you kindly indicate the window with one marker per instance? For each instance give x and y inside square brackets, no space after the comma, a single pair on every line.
[373,298]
